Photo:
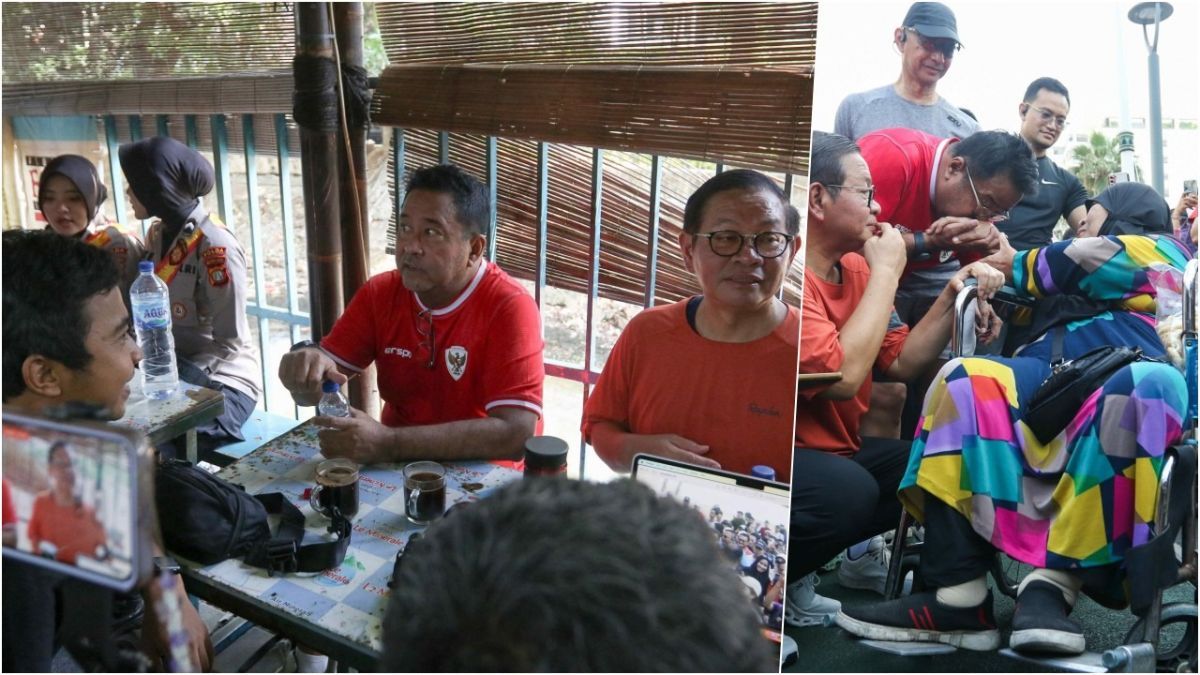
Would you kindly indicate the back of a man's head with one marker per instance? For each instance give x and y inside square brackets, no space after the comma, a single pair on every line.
[999,153]
[561,575]
[48,280]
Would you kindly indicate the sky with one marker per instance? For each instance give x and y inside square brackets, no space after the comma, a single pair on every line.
[1086,45]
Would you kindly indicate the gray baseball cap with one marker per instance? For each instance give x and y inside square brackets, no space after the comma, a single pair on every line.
[932,19]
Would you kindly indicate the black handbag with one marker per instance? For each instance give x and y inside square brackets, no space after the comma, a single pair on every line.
[1070,383]
[206,519]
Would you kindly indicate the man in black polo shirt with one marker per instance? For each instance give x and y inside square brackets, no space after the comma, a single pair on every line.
[1043,118]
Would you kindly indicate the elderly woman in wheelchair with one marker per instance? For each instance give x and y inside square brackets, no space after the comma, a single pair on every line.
[1071,501]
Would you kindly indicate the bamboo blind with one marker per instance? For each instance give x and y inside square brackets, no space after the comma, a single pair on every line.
[752,118]
[624,206]
[143,40]
[750,34]
[247,93]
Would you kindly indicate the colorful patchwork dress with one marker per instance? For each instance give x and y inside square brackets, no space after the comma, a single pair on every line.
[1089,495]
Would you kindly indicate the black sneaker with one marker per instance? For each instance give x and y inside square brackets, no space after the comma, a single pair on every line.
[921,618]
[1040,622]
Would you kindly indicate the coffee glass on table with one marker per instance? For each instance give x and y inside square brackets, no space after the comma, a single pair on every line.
[337,488]
[424,492]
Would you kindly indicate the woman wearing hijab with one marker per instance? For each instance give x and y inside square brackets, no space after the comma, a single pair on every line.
[1073,507]
[69,196]
[205,268]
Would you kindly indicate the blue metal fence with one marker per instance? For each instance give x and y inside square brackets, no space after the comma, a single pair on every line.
[266,315]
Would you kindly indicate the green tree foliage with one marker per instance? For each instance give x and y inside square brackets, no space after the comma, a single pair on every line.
[1097,159]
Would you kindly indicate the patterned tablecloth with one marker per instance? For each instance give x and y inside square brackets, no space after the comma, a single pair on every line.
[163,419]
[348,601]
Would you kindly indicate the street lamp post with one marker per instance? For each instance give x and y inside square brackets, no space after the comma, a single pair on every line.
[1145,14]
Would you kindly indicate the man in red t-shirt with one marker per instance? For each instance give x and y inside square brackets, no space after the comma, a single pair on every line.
[844,486]
[943,195]
[456,341]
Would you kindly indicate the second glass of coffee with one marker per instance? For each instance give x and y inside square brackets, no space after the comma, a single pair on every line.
[424,491]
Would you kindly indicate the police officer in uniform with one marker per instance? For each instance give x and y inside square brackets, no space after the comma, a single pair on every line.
[69,196]
[204,267]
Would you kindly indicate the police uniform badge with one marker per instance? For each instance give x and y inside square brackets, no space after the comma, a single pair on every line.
[214,261]
[456,361]
[178,252]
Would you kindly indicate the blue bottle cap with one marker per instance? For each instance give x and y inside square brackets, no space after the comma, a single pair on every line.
[330,387]
[145,266]
[762,471]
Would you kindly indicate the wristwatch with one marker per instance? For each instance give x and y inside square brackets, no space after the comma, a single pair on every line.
[919,252]
[304,344]
[165,563]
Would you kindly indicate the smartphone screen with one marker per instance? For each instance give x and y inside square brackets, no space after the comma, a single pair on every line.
[70,500]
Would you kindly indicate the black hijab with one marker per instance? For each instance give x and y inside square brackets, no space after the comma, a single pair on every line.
[83,174]
[168,178]
[1133,208]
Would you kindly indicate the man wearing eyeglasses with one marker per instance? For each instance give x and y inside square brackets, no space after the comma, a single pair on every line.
[457,342]
[844,483]
[927,42]
[1043,118]
[707,380]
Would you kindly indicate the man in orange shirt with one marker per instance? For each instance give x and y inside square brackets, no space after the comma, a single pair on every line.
[844,486]
[706,380]
[60,519]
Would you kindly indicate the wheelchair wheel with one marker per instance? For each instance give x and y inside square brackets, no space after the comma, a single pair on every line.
[1177,649]
[1007,574]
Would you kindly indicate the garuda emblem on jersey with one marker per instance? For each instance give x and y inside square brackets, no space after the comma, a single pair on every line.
[456,361]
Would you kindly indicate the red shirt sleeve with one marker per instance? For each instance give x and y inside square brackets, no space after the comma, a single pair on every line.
[9,510]
[820,349]
[893,344]
[515,372]
[609,400]
[352,342]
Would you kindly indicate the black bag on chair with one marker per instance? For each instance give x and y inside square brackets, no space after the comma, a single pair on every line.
[1062,394]
[207,520]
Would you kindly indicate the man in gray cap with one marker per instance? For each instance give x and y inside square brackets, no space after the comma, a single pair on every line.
[927,42]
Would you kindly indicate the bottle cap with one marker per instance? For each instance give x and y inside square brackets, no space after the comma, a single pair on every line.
[330,387]
[145,266]
[762,471]
[545,454]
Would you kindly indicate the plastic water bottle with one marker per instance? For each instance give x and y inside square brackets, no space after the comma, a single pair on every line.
[151,302]
[332,403]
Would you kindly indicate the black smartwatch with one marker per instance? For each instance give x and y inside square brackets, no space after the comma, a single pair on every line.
[304,344]
[920,252]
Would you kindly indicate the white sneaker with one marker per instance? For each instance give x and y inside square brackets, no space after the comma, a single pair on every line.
[804,607]
[868,571]
[791,651]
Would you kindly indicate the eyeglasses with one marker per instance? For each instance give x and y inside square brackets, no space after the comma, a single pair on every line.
[425,329]
[728,243]
[1045,116]
[994,214]
[947,46]
[868,191]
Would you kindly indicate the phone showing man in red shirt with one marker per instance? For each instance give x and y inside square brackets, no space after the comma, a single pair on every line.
[60,519]
[457,342]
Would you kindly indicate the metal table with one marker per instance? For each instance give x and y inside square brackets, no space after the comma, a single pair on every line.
[180,414]
[338,612]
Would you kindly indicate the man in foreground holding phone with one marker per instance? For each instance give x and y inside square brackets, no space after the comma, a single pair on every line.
[67,338]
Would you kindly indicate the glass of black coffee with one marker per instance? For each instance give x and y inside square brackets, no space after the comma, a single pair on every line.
[337,488]
[424,491]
